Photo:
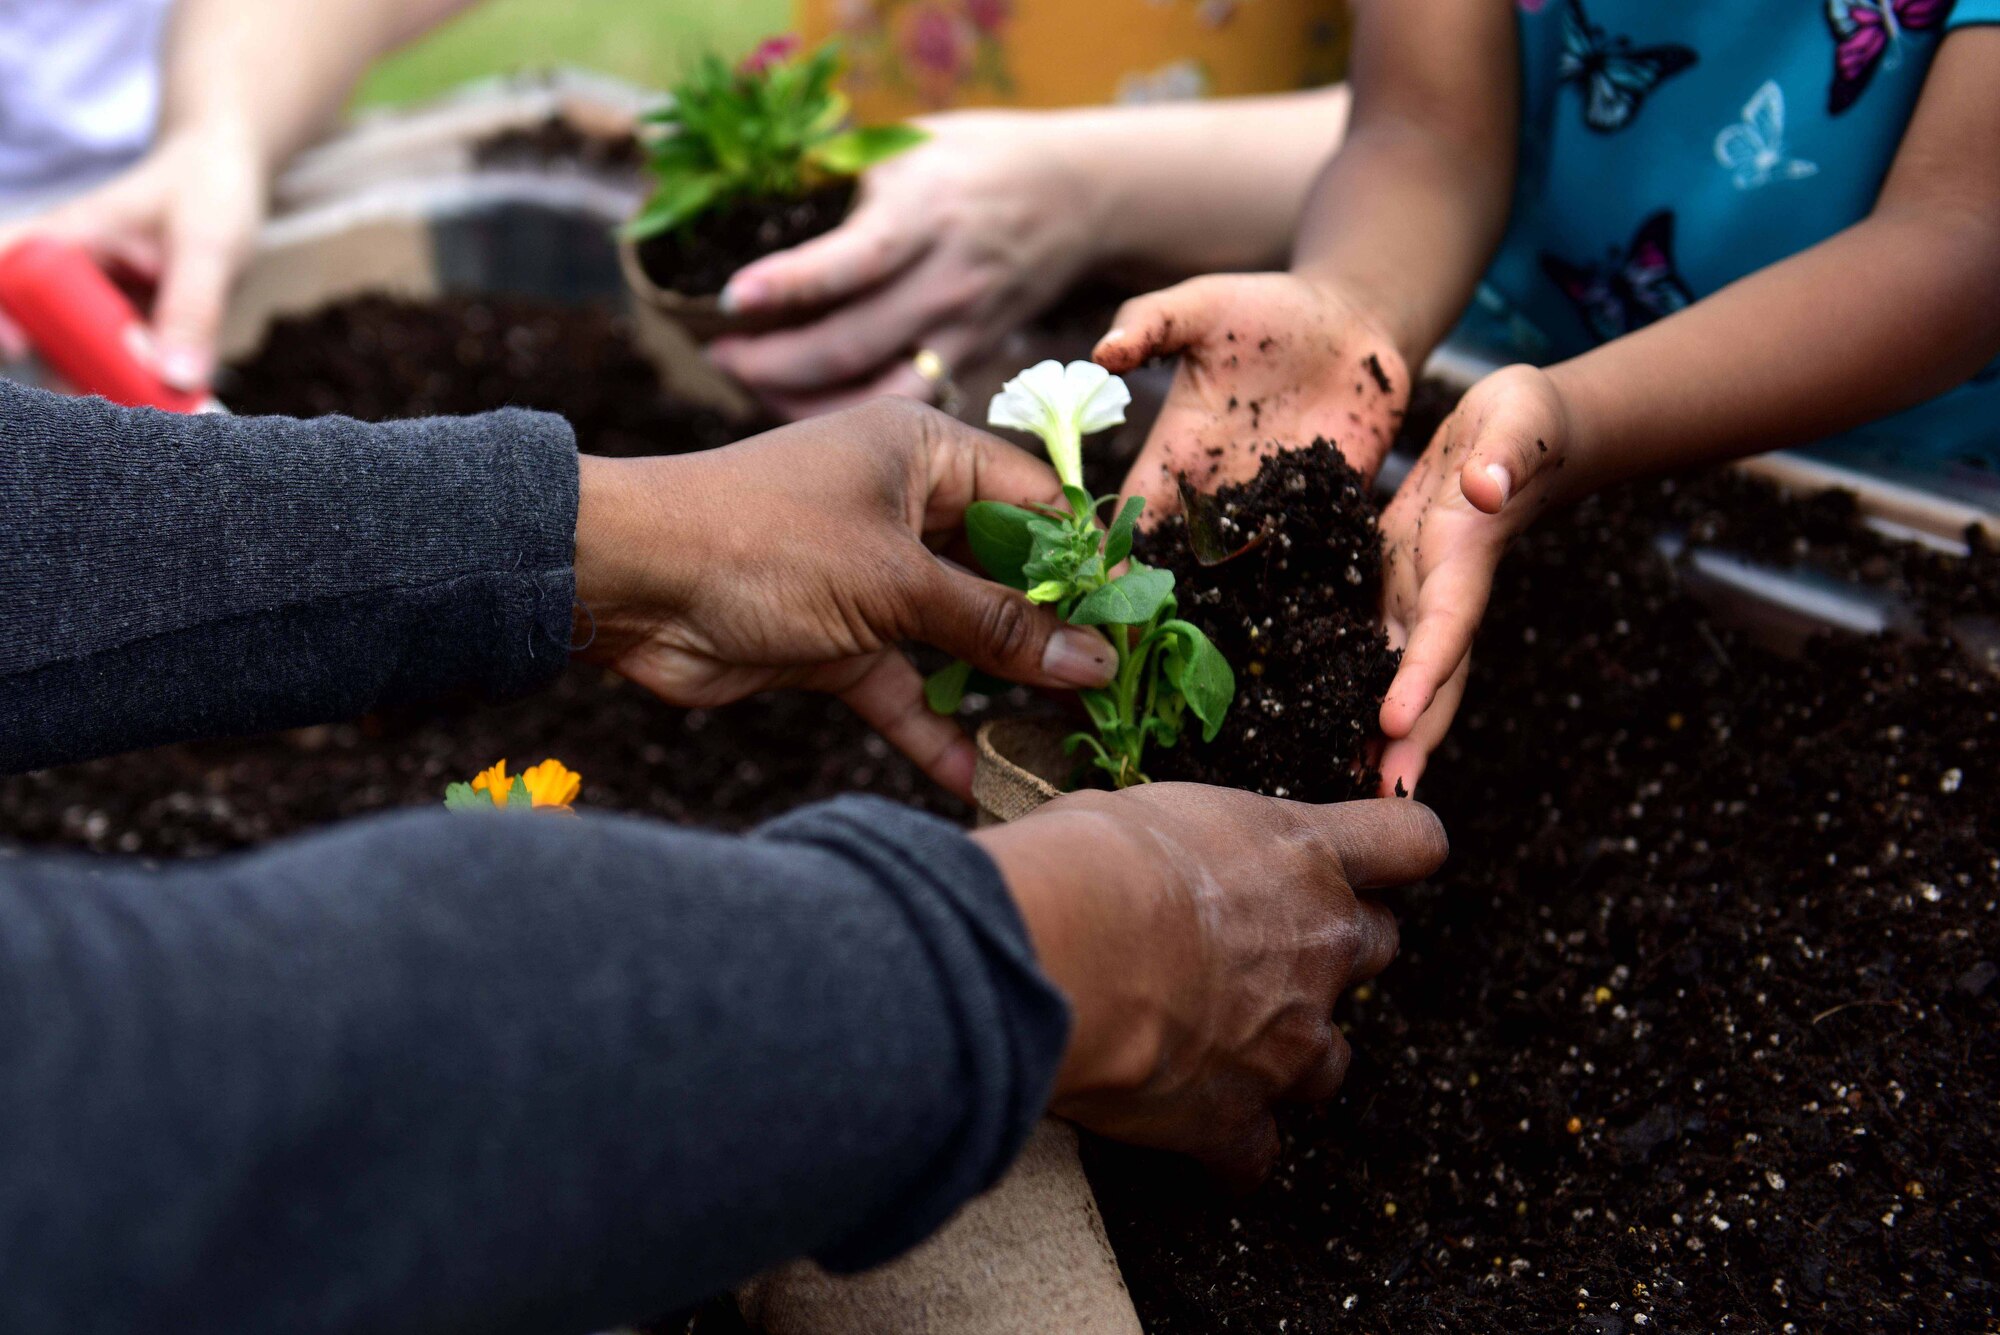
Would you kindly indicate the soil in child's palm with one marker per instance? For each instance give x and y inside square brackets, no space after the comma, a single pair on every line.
[1696,1031]
[701,258]
[1299,618]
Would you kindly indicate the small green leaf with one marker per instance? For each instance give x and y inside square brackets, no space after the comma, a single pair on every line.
[1079,500]
[856,151]
[1118,543]
[464,797]
[675,201]
[1132,599]
[1203,676]
[944,691]
[518,797]
[1103,709]
[1001,538]
[1049,591]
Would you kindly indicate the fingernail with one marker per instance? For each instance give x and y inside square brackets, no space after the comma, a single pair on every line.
[1501,479]
[183,369]
[1115,336]
[1079,658]
[741,295]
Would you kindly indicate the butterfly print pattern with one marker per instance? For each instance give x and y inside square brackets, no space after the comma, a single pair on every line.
[1615,78]
[1753,150]
[1868,36]
[1626,293]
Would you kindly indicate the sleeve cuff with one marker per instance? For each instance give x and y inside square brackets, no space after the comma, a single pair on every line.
[1012,1022]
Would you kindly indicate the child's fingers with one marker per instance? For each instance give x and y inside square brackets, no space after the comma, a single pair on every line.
[1513,436]
[1159,325]
[1404,761]
[1449,608]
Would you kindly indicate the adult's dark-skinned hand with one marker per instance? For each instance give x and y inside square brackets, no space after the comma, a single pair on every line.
[1203,936]
[804,558]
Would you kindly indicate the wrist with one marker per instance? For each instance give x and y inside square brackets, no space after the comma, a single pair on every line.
[1586,465]
[1397,323]
[628,551]
[1095,157]
[1070,913]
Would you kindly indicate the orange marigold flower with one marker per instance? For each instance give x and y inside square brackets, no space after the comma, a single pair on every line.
[549,786]
[553,784]
[494,783]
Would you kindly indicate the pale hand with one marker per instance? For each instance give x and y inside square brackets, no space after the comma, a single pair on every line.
[178,226]
[955,245]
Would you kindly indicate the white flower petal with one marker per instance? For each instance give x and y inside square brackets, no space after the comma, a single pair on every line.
[1102,403]
[1031,401]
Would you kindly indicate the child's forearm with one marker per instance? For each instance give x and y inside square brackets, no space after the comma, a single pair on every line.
[1407,215]
[1879,318]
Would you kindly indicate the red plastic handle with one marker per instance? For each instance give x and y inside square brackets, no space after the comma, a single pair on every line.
[84,327]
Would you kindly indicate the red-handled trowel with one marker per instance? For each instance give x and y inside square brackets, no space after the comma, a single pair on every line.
[84,328]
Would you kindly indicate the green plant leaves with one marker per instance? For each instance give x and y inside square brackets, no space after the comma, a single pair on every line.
[1133,599]
[1002,538]
[944,691]
[770,133]
[855,151]
[677,200]
[464,797]
[1202,675]
[1118,543]
[1102,707]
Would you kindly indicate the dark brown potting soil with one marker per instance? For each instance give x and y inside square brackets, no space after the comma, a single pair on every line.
[377,358]
[701,258]
[558,143]
[1697,1027]
[1695,1032]
[1298,616]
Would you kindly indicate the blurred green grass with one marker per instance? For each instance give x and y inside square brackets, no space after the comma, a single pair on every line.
[645,41]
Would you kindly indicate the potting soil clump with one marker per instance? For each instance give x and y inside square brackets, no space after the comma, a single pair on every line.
[701,258]
[1298,616]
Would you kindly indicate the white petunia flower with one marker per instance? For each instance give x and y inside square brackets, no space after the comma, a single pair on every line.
[1062,405]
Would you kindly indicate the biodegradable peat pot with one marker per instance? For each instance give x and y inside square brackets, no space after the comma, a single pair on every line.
[1031,1256]
[720,244]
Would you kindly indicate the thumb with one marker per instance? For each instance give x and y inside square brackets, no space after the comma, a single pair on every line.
[1512,443]
[1160,325]
[998,631]
[201,264]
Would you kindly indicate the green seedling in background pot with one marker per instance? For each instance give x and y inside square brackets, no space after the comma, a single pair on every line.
[1062,557]
[775,127]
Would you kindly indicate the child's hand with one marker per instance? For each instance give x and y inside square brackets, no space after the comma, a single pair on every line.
[1488,473]
[1267,361]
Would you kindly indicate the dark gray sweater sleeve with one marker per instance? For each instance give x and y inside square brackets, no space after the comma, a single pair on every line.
[500,1073]
[167,578]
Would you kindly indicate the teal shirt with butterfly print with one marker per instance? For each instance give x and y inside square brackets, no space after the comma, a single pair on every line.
[1669,150]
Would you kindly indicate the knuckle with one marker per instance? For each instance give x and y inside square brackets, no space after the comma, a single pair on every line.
[1007,628]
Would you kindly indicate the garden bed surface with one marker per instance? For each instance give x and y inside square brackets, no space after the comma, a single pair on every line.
[1695,1032]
